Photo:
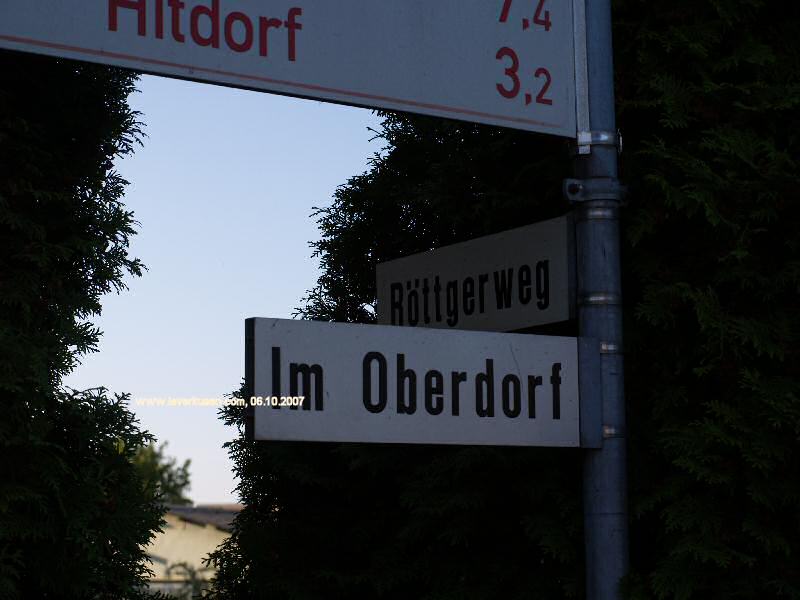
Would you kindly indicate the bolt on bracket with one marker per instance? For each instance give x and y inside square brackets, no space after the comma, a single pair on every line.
[585,190]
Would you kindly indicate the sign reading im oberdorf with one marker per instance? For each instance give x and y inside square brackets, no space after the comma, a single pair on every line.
[372,383]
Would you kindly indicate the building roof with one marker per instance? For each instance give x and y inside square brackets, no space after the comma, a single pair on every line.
[218,515]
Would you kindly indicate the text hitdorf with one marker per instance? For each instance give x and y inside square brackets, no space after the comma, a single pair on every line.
[495,394]
[431,300]
[208,25]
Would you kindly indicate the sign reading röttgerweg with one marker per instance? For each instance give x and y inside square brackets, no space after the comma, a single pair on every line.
[339,382]
[503,282]
[502,62]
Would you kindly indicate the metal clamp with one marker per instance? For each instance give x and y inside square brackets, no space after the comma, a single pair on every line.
[609,432]
[600,299]
[610,348]
[584,190]
[587,139]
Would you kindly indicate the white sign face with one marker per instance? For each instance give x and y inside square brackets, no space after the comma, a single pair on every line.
[502,282]
[339,382]
[502,62]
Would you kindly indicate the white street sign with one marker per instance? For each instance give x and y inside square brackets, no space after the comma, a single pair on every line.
[502,282]
[503,62]
[337,382]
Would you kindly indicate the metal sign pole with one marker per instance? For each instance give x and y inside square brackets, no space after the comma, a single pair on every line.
[596,195]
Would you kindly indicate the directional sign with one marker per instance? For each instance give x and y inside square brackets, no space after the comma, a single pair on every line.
[502,62]
[340,382]
[502,282]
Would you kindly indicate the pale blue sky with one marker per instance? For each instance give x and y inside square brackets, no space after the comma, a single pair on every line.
[223,188]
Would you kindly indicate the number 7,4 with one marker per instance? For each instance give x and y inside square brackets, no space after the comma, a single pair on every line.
[504,12]
[540,17]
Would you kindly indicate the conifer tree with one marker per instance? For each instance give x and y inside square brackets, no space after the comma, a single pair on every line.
[161,474]
[74,515]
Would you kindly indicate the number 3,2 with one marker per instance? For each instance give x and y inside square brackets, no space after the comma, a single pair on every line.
[512,72]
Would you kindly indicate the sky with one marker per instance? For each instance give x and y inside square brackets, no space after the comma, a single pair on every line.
[223,190]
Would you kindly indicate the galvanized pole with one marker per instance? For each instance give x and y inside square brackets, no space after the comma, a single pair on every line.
[596,195]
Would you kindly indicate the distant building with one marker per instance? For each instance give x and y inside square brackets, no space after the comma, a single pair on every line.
[190,534]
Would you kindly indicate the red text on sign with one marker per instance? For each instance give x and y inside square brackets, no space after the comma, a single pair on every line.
[206,25]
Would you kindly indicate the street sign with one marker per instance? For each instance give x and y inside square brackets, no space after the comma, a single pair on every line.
[339,382]
[503,282]
[503,62]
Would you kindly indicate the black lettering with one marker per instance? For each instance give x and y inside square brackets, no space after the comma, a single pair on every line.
[426,308]
[512,404]
[483,279]
[555,379]
[532,383]
[524,285]
[366,380]
[543,284]
[413,304]
[452,303]
[434,386]
[468,293]
[403,375]
[502,287]
[484,406]
[296,371]
[456,379]
[437,292]
[276,371]
[396,303]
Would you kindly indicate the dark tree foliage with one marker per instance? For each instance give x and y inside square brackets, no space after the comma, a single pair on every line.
[710,92]
[73,511]
[162,475]
[708,95]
